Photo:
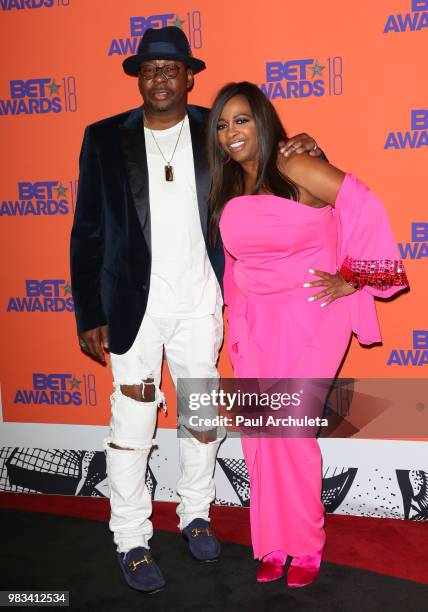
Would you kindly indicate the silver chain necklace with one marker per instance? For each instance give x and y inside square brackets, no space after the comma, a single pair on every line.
[169,170]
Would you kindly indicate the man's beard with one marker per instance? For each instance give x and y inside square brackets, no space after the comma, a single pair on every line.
[154,108]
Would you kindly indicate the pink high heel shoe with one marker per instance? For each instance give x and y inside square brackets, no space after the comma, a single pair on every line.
[271,566]
[304,570]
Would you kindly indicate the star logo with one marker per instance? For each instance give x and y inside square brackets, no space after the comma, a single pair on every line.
[317,68]
[67,289]
[54,87]
[178,23]
[61,190]
[75,383]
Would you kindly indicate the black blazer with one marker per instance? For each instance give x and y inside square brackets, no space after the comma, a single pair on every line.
[111,235]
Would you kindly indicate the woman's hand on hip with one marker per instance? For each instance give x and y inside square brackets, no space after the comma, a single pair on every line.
[334,285]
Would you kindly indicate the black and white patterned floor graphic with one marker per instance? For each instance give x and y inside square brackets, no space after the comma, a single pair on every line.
[346,490]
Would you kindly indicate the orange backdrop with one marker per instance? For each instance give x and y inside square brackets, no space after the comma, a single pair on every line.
[350,74]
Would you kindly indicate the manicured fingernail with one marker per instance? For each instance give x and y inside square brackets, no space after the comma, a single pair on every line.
[311,299]
[311,271]
[323,304]
[306,284]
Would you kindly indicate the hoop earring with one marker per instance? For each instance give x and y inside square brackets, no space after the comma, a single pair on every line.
[226,159]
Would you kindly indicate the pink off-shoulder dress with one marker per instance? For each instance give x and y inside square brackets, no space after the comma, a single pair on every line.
[275,332]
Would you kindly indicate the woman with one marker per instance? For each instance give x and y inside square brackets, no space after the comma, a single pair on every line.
[307,247]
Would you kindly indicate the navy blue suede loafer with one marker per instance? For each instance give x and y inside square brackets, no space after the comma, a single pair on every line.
[140,570]
[202,542]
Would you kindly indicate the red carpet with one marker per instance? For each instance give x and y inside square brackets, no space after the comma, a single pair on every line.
[388,546]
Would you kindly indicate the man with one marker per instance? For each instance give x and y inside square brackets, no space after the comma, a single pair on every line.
[145,280]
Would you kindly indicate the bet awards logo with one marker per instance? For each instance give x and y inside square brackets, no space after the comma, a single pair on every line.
[409,22]
[303,78]
[416,356]
[191,25]
[415,138]
[418,247]
[42,198]
[20,5]
[59,390]
[51,295]
[40,96]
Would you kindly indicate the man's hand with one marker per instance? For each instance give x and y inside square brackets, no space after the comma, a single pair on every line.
[301,143]
[335,287]
[94,342]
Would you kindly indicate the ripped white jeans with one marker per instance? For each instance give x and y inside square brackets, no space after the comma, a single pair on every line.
[191,349]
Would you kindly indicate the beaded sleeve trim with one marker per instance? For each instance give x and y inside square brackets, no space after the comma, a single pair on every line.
[380,274]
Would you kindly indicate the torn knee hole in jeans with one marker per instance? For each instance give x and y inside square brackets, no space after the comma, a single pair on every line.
[116,446]
[141,392]
[146,391]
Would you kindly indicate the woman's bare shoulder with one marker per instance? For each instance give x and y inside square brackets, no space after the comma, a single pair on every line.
[317,176]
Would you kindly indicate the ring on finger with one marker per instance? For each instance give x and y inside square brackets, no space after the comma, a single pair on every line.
[315,147]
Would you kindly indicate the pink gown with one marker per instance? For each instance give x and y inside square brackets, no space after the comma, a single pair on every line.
[275,332]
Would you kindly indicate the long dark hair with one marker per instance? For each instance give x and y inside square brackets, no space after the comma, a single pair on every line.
[228,179]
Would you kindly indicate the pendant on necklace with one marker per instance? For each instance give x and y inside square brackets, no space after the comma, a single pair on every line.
[169,173]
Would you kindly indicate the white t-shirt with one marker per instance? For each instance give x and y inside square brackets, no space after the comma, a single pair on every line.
[182,282]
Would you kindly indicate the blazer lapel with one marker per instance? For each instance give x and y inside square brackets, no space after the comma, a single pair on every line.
[197,124]
[134,151]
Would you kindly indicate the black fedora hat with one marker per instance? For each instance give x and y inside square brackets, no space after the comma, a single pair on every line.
[163,43]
